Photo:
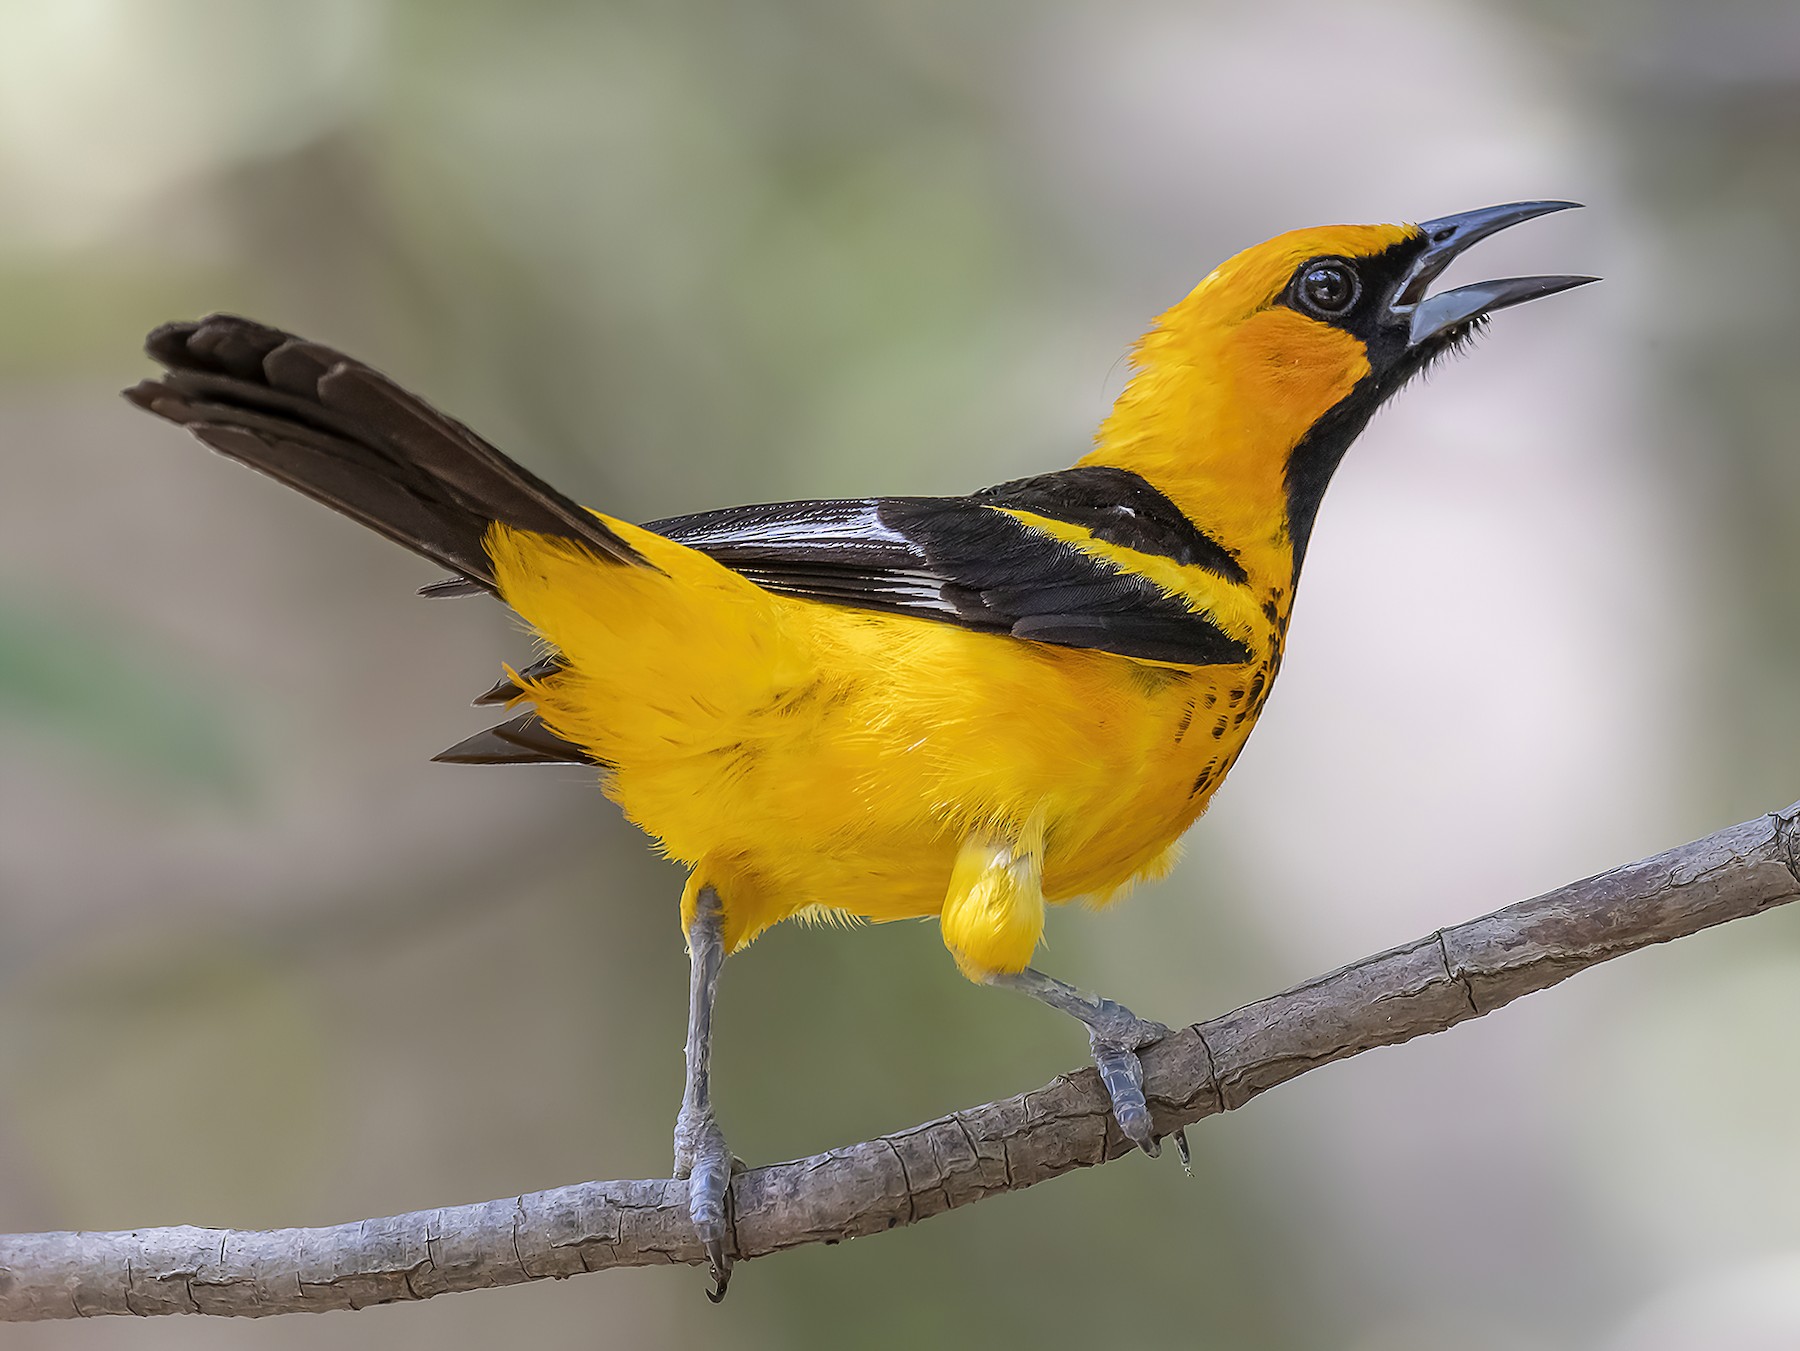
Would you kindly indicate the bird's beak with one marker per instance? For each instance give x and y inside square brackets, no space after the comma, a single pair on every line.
[1446,237]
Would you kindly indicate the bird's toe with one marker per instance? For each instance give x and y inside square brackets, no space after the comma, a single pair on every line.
[706,1161]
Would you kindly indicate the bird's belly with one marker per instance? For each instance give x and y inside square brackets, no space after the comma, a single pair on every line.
[1101,846]
[859,805]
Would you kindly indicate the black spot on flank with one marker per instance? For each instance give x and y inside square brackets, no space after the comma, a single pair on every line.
[800,698]
[1219,727]
[1258,683]
[1187,716]
[1212,697]
[1204,779]
[1236,693]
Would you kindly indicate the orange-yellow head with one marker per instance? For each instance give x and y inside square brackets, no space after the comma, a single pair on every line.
[1248,392]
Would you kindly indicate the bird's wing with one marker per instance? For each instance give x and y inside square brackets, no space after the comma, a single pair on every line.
[1022,558]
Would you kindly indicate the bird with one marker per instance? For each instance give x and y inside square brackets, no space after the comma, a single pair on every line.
[966,708]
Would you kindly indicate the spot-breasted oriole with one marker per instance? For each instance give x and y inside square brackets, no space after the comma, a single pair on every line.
[964,707]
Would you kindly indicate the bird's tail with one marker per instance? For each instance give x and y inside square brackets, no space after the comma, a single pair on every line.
[349,437]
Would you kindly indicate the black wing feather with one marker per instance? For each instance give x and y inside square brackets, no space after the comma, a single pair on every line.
[957,560]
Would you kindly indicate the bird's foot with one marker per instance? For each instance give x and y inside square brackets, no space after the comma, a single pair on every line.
[706,1161]
[1116,1035]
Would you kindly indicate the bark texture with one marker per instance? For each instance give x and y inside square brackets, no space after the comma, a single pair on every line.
[1457,973]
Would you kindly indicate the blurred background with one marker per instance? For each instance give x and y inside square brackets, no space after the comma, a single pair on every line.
[262,964]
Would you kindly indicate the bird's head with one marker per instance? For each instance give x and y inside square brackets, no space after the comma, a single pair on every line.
[1270,367]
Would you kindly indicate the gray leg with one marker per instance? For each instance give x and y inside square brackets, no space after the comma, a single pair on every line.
[701,1155]
[1115,1034]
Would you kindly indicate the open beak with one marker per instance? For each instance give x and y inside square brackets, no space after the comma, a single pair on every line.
[1437,316]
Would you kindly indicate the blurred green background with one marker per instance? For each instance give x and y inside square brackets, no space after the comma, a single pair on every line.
[261,963]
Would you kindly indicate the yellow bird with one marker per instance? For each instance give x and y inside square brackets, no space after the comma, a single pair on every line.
[961,707]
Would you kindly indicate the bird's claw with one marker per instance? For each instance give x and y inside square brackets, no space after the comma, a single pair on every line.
[721,1269]
[704,1159]
[1116,1036]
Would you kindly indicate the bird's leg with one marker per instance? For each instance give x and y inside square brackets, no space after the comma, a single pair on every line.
[701,1154]
[1116,1034]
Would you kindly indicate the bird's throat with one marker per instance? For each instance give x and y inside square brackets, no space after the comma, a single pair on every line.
[1228,433]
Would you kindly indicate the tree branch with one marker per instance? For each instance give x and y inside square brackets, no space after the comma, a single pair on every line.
[1455,974]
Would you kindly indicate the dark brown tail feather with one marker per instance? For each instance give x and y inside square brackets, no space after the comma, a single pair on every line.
[520,741]
[349,437]
[506,689]
[452,586]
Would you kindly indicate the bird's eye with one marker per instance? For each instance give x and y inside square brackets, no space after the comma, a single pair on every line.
[1328,287]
